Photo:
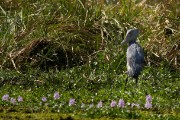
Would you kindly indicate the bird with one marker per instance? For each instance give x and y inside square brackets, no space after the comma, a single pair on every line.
[134,54]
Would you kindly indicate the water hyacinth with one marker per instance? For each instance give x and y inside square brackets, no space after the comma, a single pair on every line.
[72,102]
[135,105]
[121,103]
[91,105]
[113,103]
[148,98]
[100,104]
[148,105]
[56,95]
[13,100]
[20,99]
[5,97]
[44,99]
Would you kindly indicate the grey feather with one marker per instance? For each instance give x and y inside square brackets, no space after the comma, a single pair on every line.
[134,54]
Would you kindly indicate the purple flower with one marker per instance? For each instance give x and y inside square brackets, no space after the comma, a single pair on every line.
[100,104]
[20,99]
[44,99]
[135,105]
[91,105]
[13,100]
[56,95]
[148,98]
[113,103]
[121,103]
[5,97]
[148,105]
[71,102]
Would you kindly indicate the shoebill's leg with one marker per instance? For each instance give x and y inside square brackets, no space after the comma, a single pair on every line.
[136,81]
[126,81]
[126,78]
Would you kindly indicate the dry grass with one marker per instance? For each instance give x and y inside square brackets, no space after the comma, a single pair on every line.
[60,34]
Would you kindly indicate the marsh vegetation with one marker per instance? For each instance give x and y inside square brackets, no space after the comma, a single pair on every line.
[63,59]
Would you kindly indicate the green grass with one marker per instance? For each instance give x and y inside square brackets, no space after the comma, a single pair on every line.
[73,47]
[90,90]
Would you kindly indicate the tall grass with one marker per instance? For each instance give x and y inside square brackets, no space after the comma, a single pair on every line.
[78,26]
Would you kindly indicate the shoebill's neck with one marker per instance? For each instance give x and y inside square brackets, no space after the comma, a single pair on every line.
[132,42]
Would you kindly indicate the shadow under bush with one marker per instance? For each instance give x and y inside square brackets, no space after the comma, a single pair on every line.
[71,48]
